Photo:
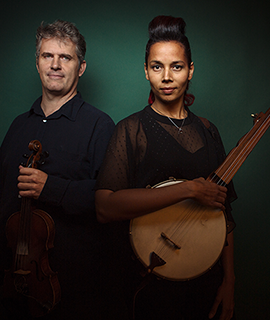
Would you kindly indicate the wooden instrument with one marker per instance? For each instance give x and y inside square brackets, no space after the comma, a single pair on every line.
[30,284]
[186,239]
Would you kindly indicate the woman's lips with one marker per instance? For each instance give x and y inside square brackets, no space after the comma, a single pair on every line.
[167,90]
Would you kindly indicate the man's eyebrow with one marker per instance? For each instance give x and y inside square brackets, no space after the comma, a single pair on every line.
[61,54]
[66,55]
[45,53]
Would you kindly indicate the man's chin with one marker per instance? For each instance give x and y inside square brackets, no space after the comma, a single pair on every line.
[55,91]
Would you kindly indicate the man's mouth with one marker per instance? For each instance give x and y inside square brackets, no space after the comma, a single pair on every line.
[55,76]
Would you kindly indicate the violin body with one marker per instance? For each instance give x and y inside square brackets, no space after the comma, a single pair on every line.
[30,281]
[30,285]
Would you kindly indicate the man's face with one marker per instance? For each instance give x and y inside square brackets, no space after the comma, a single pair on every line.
[58,67]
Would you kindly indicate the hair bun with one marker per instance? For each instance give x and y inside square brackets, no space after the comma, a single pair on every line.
[165,26]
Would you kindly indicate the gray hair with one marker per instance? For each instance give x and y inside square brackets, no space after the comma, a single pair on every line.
[62,30]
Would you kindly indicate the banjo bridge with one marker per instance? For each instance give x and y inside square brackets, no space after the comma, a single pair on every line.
[169,241]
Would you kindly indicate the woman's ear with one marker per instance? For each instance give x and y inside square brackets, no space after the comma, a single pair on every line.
[191,70]
[146,72]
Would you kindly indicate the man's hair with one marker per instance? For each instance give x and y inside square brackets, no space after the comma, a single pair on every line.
[62,30]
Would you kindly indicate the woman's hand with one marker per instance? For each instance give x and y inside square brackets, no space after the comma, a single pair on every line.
[208,193]
[225,296]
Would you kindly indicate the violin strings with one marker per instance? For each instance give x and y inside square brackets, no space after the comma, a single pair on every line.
[22,250]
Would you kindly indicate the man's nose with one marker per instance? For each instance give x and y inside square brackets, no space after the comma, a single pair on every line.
[56,64]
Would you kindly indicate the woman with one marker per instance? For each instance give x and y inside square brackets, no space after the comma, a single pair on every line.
[166,139]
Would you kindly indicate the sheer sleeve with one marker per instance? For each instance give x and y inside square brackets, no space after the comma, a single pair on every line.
[123,152]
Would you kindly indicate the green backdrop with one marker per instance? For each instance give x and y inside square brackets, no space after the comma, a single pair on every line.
[230,46]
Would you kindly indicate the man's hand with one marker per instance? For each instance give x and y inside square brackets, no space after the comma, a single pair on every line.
[31,182]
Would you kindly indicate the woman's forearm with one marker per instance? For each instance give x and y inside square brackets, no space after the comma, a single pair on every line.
[127,204]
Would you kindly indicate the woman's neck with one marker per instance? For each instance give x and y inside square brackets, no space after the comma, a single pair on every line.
[175,111]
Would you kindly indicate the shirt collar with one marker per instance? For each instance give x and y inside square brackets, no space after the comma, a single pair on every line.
[69,109]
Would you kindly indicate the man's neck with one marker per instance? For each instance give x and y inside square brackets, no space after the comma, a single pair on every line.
[51,103]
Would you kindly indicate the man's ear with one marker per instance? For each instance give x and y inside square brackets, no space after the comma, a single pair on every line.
[37,66]
[82,68]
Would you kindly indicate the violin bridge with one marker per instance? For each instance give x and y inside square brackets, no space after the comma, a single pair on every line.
[22,272]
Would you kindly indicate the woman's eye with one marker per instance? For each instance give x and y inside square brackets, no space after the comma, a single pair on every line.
[156,68]
[177,67]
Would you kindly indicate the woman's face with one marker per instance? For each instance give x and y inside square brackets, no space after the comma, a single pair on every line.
[168,72]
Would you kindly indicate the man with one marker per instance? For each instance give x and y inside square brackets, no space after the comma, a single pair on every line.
[75,136]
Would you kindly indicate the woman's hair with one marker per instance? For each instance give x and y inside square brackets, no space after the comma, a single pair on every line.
[61,30]
[164,29]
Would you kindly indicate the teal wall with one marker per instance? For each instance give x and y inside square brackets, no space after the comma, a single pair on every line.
[230,45]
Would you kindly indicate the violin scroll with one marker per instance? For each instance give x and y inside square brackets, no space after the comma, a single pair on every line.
[37,157]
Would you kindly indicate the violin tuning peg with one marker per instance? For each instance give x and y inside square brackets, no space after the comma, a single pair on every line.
[26,156]
[45,154]
[254,115]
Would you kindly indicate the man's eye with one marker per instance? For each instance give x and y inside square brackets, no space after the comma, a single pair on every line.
[65,58]
[46,56]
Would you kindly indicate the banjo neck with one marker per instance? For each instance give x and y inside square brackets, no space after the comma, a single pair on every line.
[225,172]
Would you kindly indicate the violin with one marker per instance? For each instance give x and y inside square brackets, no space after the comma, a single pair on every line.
[30,284]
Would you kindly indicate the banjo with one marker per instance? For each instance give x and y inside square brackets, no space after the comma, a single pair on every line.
[184,240]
